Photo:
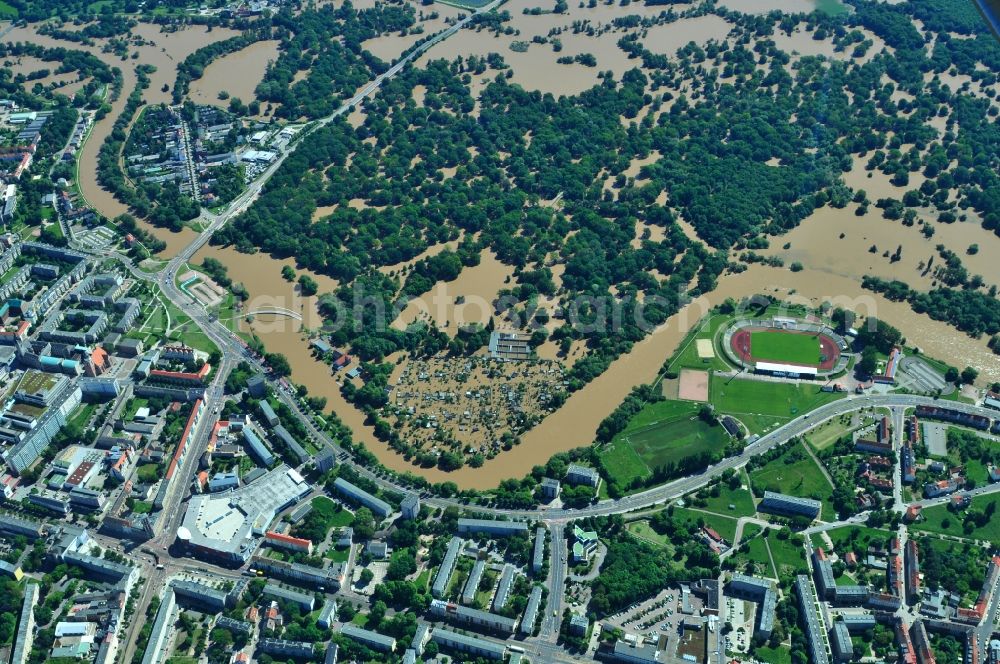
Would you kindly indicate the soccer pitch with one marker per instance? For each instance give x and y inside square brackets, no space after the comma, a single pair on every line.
[785,347]
[663,432]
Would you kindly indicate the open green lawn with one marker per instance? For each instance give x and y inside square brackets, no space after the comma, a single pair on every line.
[338,555]
[829,433]
[687,356]
[756,552]
[740,500]
[856,538]
[933,520]
[788,557]
[761,404]
[641,530]
[750,531]
[784,347]
[142,507]
[662,432]
[780,655]
[148,473]
[6,11]
[802,478]
[723,525]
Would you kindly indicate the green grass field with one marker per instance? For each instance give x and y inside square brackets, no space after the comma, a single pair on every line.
[788,557]
[761,405]
[642,531]
[660,432]
[787,347]
[724,525]
[740,499]
[750,530]
[802,478]
[780,655]
[687,356]
[934,519]
[856,538]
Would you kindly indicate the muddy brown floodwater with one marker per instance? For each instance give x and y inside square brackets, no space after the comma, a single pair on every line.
[237,73]
[164,52]
[575,423]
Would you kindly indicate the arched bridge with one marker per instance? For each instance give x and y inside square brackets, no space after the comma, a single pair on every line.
[274,311]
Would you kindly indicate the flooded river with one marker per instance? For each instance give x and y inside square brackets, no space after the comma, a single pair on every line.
[574,424]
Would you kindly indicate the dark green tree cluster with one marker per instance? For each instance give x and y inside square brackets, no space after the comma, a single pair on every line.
[974,312]
[327,43]
[634,571]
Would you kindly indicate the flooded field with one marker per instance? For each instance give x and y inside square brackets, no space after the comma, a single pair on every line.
[839,243]
[389,47]
[765,6]
[468,299]
[535,67]
[470,405]
[667,38]
[237,74]
[166,49]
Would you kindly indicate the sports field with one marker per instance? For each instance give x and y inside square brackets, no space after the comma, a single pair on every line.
[783,347]
[761,404]
[661,432]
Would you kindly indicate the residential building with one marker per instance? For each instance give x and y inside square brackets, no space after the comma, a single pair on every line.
[159,641]
[578,625]
[468,644]
[840,643]
[282,541]
[410,506]
[268,415]
[503,588]
[538,555]
[373,640]
[527,626]
[295,649]
[492,527]
[307,602]
[473,617]
[328,579]
[325,460]
[761,591]
[577,474]
[256,448]
[379,507]
[447,567]
[472,583]
[25,636]
[550,488]
[328,615]
[807,613]
[781,504]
